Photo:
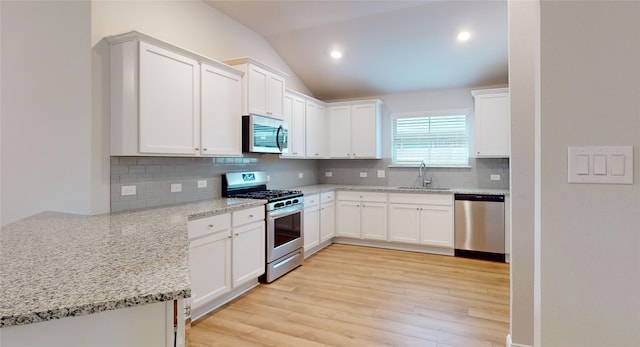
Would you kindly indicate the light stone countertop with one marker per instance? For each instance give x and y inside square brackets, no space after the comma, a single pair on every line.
[322,188]
[55,265]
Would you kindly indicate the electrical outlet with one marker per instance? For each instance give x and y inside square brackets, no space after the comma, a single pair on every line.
[363,174]
[300,175]
[128,190]
[328,174]
[202,183]
[495,177]
[381,173]
[176,187]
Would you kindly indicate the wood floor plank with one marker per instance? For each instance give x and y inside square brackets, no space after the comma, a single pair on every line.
[348,295]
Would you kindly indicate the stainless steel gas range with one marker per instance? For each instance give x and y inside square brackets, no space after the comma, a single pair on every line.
[284,220]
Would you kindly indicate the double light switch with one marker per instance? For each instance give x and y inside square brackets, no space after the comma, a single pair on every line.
[605,165]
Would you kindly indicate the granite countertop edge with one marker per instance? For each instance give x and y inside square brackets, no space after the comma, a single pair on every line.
[323,188]
[19,312]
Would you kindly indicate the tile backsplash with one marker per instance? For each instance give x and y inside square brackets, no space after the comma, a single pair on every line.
[478,175]
[153,177]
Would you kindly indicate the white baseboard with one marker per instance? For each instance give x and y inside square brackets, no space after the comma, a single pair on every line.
[511,344]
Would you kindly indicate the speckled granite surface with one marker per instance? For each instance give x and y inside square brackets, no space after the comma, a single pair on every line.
[55,265]
[321,188]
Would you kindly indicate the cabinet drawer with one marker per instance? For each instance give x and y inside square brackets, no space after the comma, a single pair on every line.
[247,216]
[423,199]
[362,196]
[311,200]
[208,225]
[327,197]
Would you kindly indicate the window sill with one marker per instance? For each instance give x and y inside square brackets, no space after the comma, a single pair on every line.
[393,166]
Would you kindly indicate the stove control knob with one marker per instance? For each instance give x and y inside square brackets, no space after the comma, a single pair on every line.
[295,201]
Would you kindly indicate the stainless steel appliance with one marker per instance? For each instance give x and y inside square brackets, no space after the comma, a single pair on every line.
[284,220]
[264,135]
[479,226]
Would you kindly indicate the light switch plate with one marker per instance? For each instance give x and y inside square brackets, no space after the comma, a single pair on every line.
[328,174]
[202,183]
[600,165]
[363,174]
[495,177]
[300,175]
[381,173]
[176,187]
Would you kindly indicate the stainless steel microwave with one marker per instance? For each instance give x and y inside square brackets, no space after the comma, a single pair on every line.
[264,134]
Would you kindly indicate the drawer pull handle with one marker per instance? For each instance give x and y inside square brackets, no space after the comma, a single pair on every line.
[210,225]
[250,216]
[237,234]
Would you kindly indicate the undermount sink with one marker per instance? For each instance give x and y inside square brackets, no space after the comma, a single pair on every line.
[425,188]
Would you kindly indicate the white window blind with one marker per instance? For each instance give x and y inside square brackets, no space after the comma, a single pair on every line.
[437,139]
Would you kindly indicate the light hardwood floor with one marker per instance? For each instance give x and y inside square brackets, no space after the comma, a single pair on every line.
[359,296]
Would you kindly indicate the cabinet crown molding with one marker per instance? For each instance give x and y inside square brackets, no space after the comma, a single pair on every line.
[138,36]
[248,60]
[477,92]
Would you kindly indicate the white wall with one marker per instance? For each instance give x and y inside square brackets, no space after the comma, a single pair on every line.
[523,47]
[192,25]
[46,108]
[590,234]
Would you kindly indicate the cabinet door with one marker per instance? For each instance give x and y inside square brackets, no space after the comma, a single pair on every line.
[404,223]
[275,96]
[365,139]
[294,115]
[257,85]
[492,125]
[315,130]
[373,219]
[220,112]
[311,227]
[436,226]
[327,222]
[248,252]
[169,110]
[339,131]
[348,219]
[210,265]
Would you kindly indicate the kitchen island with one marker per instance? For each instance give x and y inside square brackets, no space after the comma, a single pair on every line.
[66,276]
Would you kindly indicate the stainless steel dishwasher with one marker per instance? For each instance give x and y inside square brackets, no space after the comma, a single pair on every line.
[479,226]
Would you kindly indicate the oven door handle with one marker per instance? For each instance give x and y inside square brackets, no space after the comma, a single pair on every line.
[286,211]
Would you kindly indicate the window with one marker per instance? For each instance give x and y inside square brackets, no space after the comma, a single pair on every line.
[437,138]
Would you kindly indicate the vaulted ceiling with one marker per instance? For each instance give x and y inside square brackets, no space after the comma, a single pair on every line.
[388,47]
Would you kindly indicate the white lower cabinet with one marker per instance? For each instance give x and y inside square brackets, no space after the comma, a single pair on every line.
[319,220]
[425,219]
[311,222]
[362,215]
[248,252]
[225,251]
[327,221]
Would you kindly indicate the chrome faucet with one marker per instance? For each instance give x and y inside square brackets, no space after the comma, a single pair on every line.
[422,171]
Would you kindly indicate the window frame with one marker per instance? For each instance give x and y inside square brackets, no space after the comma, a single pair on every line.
[432,113]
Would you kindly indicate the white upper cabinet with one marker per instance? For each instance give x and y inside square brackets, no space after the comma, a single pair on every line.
[294,115]
[354,129]
[263,88]
[169,101]
[492,123]
[220,112]
[168,89]
[315,130]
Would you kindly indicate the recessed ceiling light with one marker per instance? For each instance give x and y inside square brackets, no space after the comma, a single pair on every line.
[336,54]
[464,36]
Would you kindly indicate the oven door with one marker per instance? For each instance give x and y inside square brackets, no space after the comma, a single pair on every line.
[284,231]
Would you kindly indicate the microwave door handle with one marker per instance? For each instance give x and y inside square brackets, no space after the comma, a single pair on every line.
[280,128]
